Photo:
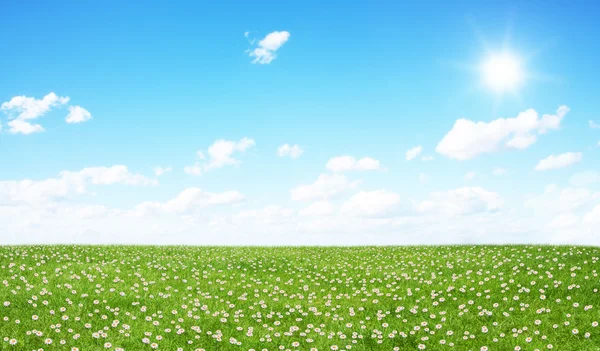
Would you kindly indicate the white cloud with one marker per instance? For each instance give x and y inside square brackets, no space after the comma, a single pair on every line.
[109,175]
[293,151]
[593,124]
[462,201]
[349,163]
[371,204]
[193,170]
[78,114]
[268,46]
[468,139]
[221,151]
[564,221]
[32,108]
[19,126]
[559,161]
[158,171]
[90,211]
[469,176]
[413,152]
[584,179]
[593,217]
[267,215]
[220,154]
[32,192]
[21,109]
[556,200]
[319,208]
[189,200]
[326,186]
[499,172]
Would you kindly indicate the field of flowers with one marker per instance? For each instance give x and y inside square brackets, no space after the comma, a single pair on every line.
[299,298]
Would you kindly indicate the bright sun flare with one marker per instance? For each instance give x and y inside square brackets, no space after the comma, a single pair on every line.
[502,72]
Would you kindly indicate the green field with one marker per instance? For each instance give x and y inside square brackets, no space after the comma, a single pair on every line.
[299,298]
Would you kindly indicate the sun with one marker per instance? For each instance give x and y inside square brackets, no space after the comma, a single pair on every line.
[502,72]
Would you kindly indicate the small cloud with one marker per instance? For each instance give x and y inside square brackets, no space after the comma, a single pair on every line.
[268,46]
[593,124]
[349,163]
[413,152]
[193,170]
[559,161]
[499,171]
[18,126]
[162,170]
[78,114]
[246,34]
[220,154]
[287,150]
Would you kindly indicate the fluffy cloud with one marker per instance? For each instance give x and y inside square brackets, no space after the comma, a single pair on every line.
[220,154]
[318,208]
[193,170]
[468,139]
[371,204]
[326,186]
[267,215]
[158,171]
[293,151]
[413,152]
[28,108]
[67,183]
[593,217]
[584,179]
[221,151]
[564,221]
[18,126]
[22,109]
[559,161]
[349,163]
[188,201]
[555,200]
[593,125]
[268,46]
[78,114]
[462,201]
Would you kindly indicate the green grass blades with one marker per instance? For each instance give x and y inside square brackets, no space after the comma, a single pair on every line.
[299,298]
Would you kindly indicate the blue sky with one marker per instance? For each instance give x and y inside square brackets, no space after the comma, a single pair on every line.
[361,79]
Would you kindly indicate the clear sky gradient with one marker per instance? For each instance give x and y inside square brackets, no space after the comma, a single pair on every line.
[369,79]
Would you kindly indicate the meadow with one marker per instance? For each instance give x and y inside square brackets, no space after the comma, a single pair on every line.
[299,298]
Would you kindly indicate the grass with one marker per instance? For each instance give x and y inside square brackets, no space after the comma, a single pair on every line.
[299,298]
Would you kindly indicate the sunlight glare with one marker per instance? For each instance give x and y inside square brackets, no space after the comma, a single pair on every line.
[502,72]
